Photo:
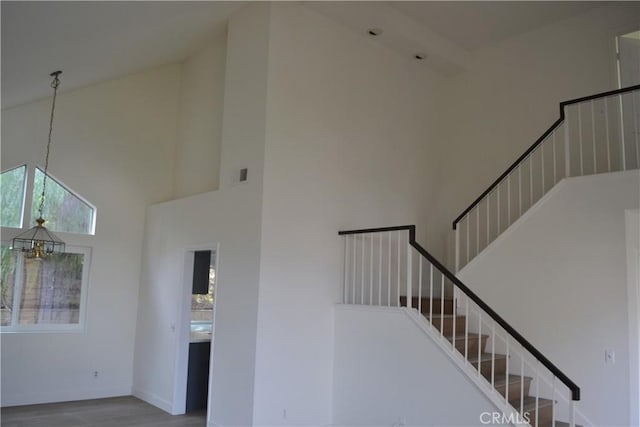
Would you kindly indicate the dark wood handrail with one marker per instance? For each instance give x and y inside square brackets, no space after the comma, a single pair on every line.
[537,143]
[575,390]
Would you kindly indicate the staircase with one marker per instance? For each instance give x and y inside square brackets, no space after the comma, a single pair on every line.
[386,267]
[493,367]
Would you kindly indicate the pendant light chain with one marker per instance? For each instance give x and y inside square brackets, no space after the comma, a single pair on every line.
[54,84]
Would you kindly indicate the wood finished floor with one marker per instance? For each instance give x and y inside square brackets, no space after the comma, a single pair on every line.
[126,411]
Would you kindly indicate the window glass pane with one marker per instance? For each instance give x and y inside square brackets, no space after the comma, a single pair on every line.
[202,304]
[62,210]
[12,193]
[8,266]
[51,289]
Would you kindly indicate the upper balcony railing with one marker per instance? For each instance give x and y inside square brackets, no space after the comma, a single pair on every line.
[595,134]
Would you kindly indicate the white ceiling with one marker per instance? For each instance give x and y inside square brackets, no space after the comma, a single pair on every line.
[94,41]
[475,24]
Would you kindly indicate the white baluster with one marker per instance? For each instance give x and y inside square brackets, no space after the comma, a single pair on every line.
[466,329]
[621,135]
[488,226]
[606,128]
[371,269]
[498,208]
[636,131]
[509,200]
[431,295]
[519,191]
[468,217]
[555,175]
[537,390]
[522,382]
[380,269]
[389,271]
[477,229]
[479,335]
[493,352]
[531,179]
[580,139]
[553,402]
[419,284]
[457,233]
[346,269]
[572,413]
[506,371]
[409,275]
[398,269]
[353,268]
[593,137]
[362,273]
[441,305]
[567,150]
[542,161]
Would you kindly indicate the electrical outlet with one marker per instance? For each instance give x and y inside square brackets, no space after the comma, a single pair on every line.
[609,357]
[95,374]
[284,414]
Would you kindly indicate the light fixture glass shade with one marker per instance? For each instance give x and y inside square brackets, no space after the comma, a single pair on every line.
[38,242]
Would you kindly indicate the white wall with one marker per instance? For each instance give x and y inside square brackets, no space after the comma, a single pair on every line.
[349,140]
[558,276]
[197,156]
[387,370]
[229,217]
[113,144]
[510,94]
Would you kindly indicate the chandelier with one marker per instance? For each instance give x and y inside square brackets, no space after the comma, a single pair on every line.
[38,242]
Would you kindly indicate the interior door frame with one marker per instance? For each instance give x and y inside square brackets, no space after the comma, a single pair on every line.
[183,328]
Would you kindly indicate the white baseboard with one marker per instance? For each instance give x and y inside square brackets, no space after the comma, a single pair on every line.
[153,399]
[62,396]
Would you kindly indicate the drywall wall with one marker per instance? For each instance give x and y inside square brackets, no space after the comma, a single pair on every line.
[510,94]
[113,144]
[389,372]
[197,156]
[229,218]
[349,136]
[559,277]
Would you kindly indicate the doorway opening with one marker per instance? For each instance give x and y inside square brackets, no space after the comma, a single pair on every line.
[195,342]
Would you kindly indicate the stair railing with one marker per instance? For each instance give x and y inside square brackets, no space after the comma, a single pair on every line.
[386,267]
[594,134]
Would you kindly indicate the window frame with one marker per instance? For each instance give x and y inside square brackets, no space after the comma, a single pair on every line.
[87,252]
[34,203]
[25,184]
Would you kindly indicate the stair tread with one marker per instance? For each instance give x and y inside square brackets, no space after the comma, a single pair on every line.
[512,379]
[529,403]
[473,335]
[437,316]
[484,357]
[435,297]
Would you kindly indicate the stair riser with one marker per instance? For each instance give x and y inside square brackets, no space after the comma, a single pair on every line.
[472,343]
[545,414]
[514,389]
[448,325]
[437,307]
[485,368]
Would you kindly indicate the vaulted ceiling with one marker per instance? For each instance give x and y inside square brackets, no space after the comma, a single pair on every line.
[96,41]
